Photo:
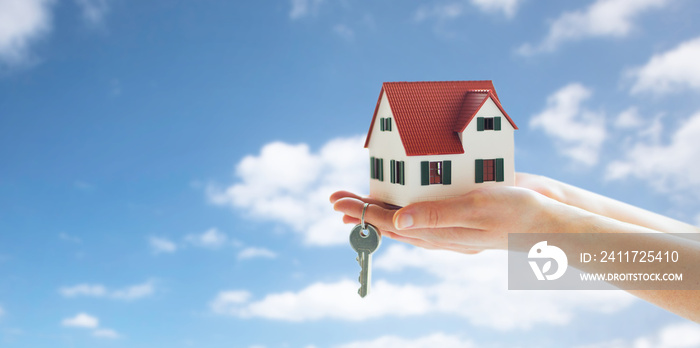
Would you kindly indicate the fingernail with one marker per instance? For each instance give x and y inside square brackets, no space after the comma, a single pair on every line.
[404,221]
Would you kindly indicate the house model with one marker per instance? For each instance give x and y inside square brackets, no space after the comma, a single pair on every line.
[435,140]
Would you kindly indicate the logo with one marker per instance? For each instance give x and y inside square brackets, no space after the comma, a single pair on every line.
[543,251]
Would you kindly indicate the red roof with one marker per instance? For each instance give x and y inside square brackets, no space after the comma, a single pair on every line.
[430,115]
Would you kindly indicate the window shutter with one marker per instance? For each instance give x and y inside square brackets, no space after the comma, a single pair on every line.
[388,124]
[479,124]
[401,173]
[424,173]
[479,171]
[496,123]
[446,172]
[392,168]
[381,169]
[381,124]
[371,167]
[499,169]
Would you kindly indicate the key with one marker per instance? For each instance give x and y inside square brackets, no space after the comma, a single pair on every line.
[365,241]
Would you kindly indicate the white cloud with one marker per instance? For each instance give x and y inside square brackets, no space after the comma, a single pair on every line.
[434,340]
[93,290]
[69,238]
[251,253]
[669,71]
[578,131]
[162,245]
[304,8]
[344,31]
[106,333]
[211,238]
[629,118]
[507,7]
[2,311]
[290,184]
[456,9]
[679,335]
[668,167]
[22,22]
[603,18]
[472,287]
[82,320]
[98,290]
[94,10]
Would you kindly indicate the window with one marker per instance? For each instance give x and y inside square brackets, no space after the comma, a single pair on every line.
[436,172]
[488,170]
[385,124]
[376,168]
[397,172]
[488,123]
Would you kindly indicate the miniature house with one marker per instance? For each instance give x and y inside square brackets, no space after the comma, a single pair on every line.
[435,140]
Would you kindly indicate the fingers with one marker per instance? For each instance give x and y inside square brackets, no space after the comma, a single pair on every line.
[375,214]
[454,212]
[345,194]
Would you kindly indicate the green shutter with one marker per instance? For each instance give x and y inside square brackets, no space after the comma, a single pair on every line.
[390,124]
[479,124]
[496,123]
[479,171]
[401,173]
[371,168]
[446,172]
[499,169]
[381,169]
[392,168]
[381,124]
[425,173]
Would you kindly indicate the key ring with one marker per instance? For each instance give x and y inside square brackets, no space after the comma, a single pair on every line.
[362,221]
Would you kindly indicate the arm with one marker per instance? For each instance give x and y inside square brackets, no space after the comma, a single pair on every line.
[475,222]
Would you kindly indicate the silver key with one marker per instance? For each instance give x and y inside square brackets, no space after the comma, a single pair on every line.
[365,241]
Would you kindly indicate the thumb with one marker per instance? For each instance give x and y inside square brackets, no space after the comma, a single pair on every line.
[432,214]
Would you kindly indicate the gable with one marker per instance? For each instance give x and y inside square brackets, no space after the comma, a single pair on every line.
[430,115]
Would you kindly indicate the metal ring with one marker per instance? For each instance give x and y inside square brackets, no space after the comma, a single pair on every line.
[362,222]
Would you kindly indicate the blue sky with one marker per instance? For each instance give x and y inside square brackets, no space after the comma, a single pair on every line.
[165,166]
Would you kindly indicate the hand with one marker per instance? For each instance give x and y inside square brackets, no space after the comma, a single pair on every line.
[478,220]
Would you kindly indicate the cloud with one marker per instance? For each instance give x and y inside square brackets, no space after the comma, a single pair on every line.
[211,238]
[673,166]
[455,9]
[678,335]
[251,253]
[344,31]
[578,132]
[629,118]
[162,245]
[669,71]
[81,320]
[304,8]
[94,11]
[22,22]
[2,311]
[69,238]
[471,287]
[603,18]
[434,340]
[289,184]
[98,290]
[106,333]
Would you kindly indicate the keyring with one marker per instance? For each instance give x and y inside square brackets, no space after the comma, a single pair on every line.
[362,221]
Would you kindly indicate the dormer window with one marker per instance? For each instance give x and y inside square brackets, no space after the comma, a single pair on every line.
[488,123]
[385,124]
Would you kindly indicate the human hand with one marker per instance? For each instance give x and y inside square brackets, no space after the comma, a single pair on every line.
[478,220]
